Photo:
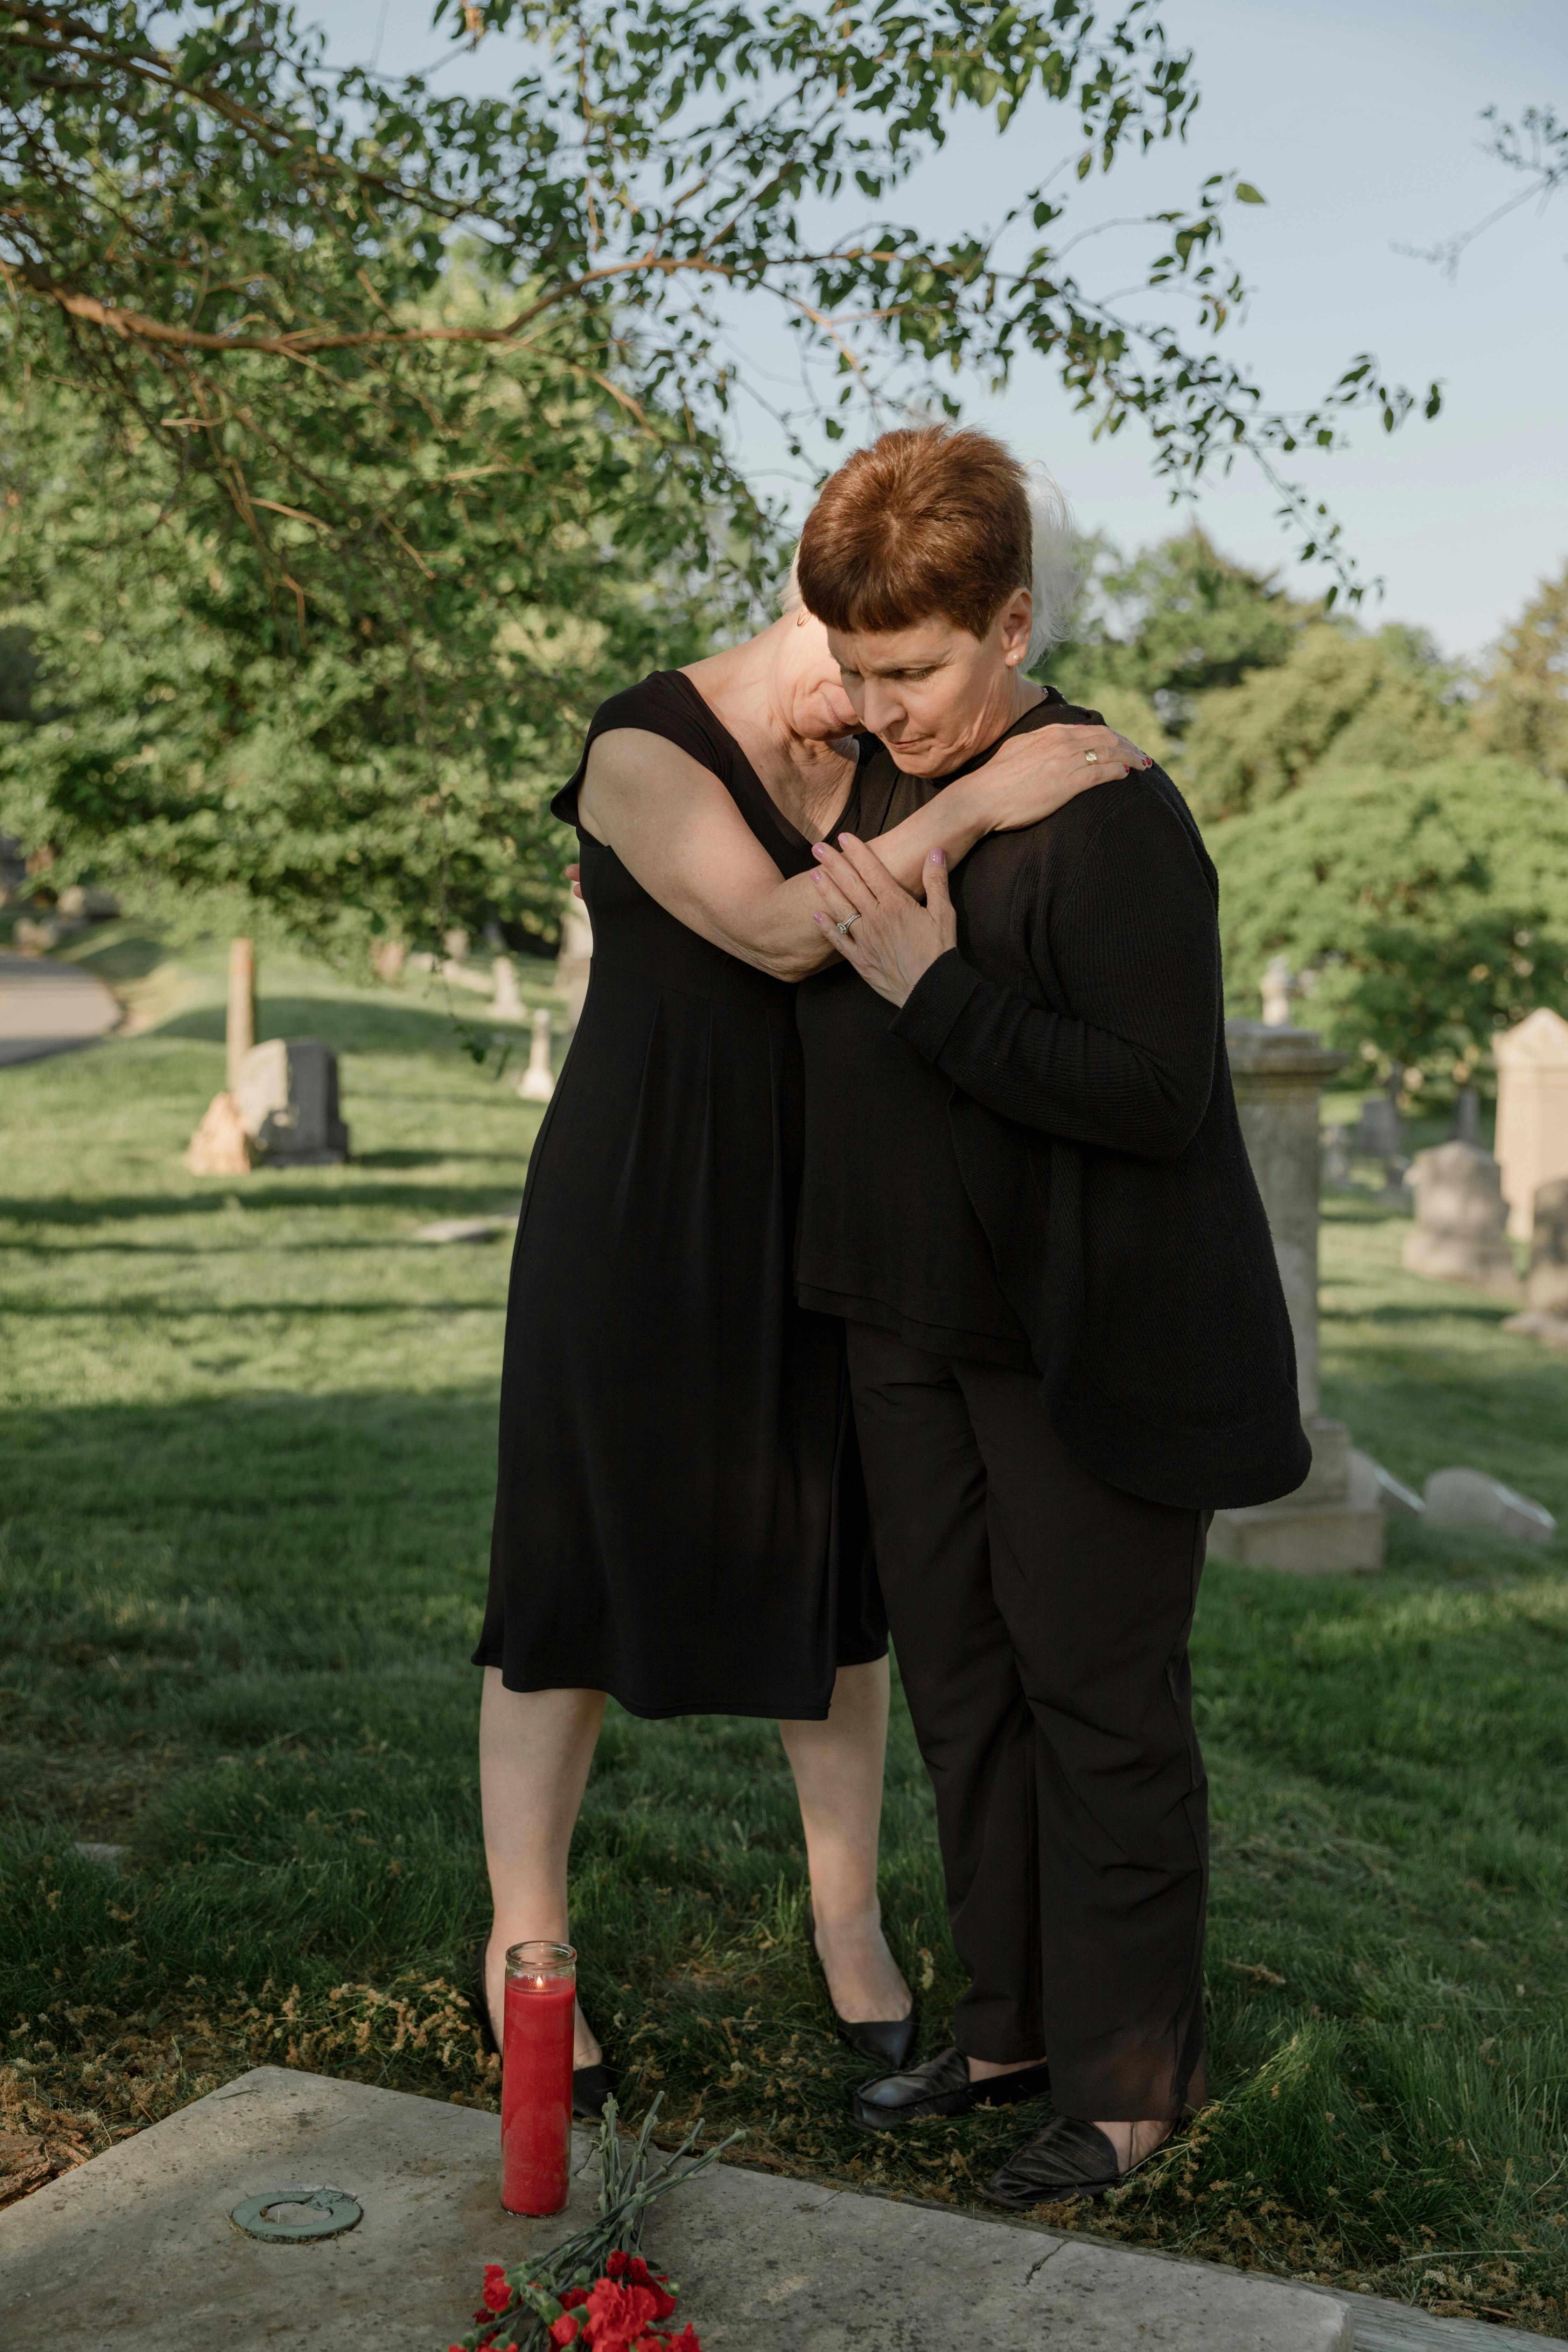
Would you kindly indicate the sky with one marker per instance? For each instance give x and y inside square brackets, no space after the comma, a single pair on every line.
[1358,124]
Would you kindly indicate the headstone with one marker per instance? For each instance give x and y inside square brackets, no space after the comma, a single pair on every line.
[573,966]
[220,1146]
[36,939]
[241,1027]
[1336,1155]
[1371,1485]
[1460,1216]
[1278,988]
[506,1002]
[287,1095]
[456,943]
[1375,1135]
[1278,1074]
[387,958]
[465,1229]
[1546,1288]
[1466,1117]
[537,1083]
[85,902]
[1552,1330]
[1531,1112]
[1469,1498]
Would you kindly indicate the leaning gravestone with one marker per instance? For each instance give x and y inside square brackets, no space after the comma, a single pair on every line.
[1546,1290]
[1461,1217]
[1469,1498]
[287,1096]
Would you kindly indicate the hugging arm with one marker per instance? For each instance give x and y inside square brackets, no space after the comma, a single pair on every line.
[675,828]
[1134,942]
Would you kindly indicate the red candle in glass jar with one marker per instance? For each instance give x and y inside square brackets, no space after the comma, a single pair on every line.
[536,2077]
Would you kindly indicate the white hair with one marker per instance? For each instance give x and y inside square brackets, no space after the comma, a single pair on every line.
[1054,575]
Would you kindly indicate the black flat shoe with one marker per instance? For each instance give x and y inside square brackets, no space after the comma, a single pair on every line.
[887,2040]
[940,2086]
[1069,2159]
[479,1997]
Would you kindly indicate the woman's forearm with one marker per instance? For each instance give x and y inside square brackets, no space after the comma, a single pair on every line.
[954,819]
[782,934]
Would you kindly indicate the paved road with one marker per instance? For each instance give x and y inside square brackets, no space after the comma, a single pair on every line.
[46,1008]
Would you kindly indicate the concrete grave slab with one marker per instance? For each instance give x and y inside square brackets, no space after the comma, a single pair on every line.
[135,2251]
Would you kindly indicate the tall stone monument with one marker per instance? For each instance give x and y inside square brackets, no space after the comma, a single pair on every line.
[1279,1075]
[1531,1112]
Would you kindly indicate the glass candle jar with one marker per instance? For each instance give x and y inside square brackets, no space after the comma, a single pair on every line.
[536,2077]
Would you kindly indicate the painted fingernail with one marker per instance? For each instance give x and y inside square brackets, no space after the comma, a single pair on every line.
[938,858]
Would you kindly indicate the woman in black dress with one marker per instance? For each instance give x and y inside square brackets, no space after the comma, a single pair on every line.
[679,1520]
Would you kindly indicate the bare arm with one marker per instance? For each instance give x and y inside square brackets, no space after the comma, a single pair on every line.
[677,831]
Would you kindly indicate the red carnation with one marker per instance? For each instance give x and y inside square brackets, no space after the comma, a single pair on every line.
[565,2328]
[618,2316]
[497,2295]
[616,2264]
[570,2297]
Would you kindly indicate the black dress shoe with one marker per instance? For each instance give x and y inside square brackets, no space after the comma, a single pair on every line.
[887,2040]
[1069,2159]
[940,2086]
[591,2085]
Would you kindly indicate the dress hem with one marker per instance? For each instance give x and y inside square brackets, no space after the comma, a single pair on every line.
[816,1712]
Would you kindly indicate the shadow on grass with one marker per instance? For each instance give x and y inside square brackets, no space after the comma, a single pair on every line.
[348,1024]
[435,1200]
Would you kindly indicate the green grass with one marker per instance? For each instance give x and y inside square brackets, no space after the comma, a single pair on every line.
[248,1440]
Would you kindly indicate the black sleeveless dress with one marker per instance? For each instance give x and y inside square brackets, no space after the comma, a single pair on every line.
[679,1518]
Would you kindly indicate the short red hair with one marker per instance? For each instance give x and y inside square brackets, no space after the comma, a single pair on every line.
[923,524]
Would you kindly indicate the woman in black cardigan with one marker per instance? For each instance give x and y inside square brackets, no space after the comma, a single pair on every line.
[1026,1191]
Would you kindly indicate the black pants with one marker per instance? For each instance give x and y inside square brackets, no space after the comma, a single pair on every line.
[1041,1619]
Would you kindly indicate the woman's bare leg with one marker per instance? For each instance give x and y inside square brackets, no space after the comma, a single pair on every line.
[536,1748]
[837,1767]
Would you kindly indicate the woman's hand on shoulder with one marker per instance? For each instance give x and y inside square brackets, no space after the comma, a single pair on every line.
[1037,773]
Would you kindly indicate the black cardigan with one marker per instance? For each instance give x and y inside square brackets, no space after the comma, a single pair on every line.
[1081,1020]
